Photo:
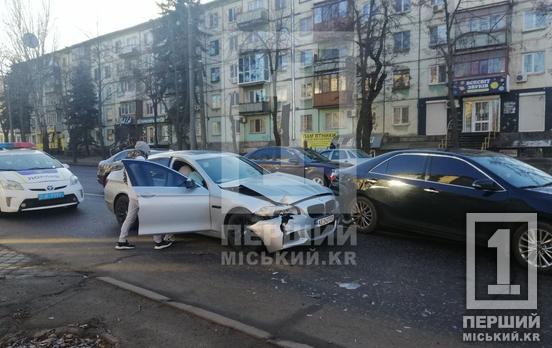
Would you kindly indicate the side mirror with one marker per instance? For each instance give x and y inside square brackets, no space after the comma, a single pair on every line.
[486,185]
[190,184]
[66,166]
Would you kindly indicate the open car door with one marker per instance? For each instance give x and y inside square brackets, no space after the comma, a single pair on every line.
[168,201]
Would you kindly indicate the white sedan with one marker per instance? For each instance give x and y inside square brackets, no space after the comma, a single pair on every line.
[231,198]
[32,180]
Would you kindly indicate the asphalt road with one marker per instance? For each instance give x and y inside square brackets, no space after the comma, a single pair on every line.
[411,289]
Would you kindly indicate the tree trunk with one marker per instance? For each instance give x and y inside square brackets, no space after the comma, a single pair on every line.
[233,129]
[364,125]
[155,138]
[45,139]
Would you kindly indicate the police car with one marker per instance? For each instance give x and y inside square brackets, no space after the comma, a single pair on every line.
[33,180]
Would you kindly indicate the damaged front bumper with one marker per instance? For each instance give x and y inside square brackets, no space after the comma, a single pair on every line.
[283,232]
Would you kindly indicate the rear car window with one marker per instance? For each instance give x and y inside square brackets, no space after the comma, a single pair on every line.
[404,166]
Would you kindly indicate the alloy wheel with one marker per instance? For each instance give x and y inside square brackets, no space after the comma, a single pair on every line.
[536,252]
[362,214]
[318,180]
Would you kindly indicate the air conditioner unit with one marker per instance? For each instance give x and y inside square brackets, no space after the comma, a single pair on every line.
[521,77]
[437,8]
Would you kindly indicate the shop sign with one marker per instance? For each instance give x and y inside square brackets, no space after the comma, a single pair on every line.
[495,84]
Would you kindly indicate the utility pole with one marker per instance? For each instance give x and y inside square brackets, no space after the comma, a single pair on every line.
[191,94]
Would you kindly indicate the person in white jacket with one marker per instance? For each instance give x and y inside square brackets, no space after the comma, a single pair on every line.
[143,150]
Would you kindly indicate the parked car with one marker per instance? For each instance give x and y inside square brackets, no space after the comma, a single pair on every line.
[33,180]
[430,191]
[352,156]
[297,161]
[114,163]
[236,200]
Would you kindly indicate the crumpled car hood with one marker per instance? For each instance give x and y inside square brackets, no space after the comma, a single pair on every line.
[278,187]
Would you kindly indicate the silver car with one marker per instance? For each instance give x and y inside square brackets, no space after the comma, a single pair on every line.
[352,156]
[230,198]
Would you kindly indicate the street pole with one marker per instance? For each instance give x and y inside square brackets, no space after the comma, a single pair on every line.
[191,94]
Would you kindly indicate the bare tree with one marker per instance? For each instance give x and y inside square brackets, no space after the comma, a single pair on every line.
[21,20]
[275,43]
[372,29]
[451,35]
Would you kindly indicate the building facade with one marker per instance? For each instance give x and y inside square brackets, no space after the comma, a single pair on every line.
[502,77]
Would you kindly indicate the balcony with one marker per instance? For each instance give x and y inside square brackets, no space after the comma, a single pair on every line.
[128,51]
[334,64]
[332,99]
[252,19]
[254,108]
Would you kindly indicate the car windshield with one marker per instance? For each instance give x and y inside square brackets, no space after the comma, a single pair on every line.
[358,154]
[222,169]
[515,172]
[313,155]
[17,161]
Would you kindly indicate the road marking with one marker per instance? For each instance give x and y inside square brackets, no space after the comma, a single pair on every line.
[204,314]
[93,194]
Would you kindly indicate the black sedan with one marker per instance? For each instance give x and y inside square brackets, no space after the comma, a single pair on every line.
[297,161]
[431,191]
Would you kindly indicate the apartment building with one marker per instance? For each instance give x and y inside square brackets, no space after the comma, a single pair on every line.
[502,76]
[126,111]
[502,73]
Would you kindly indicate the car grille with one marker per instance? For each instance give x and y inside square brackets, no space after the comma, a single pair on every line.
[35,203]
[321,210]
[43,189]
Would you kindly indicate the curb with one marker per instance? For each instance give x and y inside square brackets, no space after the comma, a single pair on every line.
[205,314]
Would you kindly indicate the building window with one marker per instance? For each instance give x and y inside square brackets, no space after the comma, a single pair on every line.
[488,66]
[215,75]
[110,135]
[281,94]
[401,79]
[306,90]
[234,98]
[533,20]
[233,14]
[533,63]
[306,58]
[283,61]
[234,73]
[149,108]
[256,96]
[331,12]
[332,120]
[128,108]
[233,42]
[437,74]
[216,128]
[215,101]
[212,20]
[107,72]
[279,4]
[254,5]
[401,41]
[400,115]
[330,83]
[481,115]
[256,126]
[305,25]
[402,5]
[214,48]
[437,35]
[306,123]
[253,68]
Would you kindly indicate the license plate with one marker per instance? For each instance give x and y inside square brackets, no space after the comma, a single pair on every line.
[50,195]
[325,220]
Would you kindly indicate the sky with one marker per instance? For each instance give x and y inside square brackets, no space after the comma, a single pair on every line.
[77,20]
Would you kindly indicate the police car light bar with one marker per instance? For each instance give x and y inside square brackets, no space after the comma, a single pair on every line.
[17,145]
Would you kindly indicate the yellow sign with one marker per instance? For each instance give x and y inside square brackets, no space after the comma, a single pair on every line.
[320,140]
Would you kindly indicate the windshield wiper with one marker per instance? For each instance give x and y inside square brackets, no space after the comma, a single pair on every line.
[39,168]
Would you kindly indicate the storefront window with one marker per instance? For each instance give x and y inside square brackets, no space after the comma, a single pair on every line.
[481,115]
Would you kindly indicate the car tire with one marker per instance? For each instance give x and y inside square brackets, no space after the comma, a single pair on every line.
[73,207]
[235,233]
[364,215]
[120,208]
[520,247]
[319,179]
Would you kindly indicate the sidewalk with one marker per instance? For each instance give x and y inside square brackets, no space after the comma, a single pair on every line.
[48,306]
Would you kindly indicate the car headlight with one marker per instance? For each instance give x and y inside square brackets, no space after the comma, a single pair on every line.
[74,180]
[277,210]
[11,185]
